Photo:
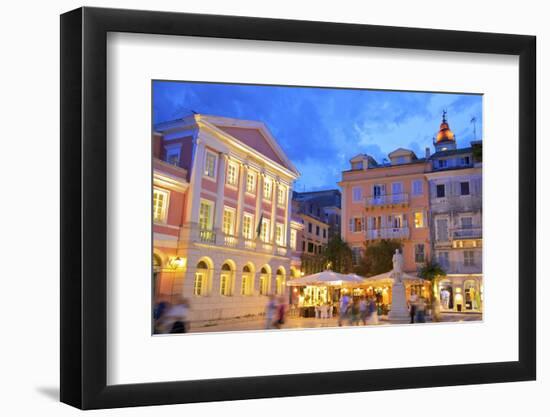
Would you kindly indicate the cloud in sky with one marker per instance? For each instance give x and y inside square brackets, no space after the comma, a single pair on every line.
[320,129]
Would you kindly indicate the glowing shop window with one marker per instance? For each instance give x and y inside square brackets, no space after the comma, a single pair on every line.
[418,219]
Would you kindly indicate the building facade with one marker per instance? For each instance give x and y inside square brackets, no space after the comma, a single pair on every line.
[387,201]
[232,245]
[324,205]
[455,184]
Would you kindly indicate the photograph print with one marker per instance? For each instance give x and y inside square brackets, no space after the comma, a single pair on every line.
[294,207]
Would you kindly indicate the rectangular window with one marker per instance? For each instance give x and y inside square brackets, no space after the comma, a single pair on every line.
[465,160]
[160,205]
[264,233]
[419,253]
[293,238]
[466,222]
[251,182]
[279,234]
[198,287]
[469,258]
[324,233]
[248,221]
[232,174]
[173,156]
[246,287]
[210,165]
[357,194]
[418,219]
[303,245]
[309,227]
[317,229]
[228,221]
[442,163]
[417,187]
[310,247]
[205,215]
[281,191]
[440,190]
[225,284]
[443,259]
[357,224]
[465,188]
[267,189]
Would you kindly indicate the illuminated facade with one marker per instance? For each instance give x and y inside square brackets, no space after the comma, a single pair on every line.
[231,248]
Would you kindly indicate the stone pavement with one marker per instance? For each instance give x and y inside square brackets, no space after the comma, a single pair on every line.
[307,323]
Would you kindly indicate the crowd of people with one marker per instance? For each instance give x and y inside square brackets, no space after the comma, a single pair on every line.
[355,311]
[275,312]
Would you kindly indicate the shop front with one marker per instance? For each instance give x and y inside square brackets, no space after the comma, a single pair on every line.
[461,293]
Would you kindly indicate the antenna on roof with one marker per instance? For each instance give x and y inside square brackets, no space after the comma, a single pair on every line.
[473,121]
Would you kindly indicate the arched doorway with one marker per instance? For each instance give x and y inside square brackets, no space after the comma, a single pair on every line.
[265,280]
[280,281]
[247,283]
[446,295]
[202,281]
[227,279]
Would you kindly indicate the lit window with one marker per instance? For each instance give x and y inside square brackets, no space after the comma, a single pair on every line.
[247,226]
[160,205]
[264,282]
[232,173]
[357,224]
[210,165]
[264,233]
[226,281]
[247,281]
[357,194]
[267,189]
[228,221]
[279,234]
[293,239]
[200,283]
[280,282]
[418,219]
[205,215]
[281,196]
[419,253]
[251,182]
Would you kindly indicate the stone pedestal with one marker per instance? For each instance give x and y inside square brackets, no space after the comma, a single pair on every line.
[399,312]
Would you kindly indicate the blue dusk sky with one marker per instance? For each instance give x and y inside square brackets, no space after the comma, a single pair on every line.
[320,129]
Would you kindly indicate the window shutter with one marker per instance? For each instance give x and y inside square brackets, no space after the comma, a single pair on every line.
[351,224]
[363,223]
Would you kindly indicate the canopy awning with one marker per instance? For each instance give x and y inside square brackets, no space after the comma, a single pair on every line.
[388,277]
[327,278]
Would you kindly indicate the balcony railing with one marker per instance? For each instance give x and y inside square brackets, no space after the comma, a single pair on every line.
[467,233]
[207,236]
[249,244]
[230,241]
[454,267]
[388,233]
[281,251]
[381,200]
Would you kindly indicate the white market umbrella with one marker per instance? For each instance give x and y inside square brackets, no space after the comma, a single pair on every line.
[327,278]
[387,276]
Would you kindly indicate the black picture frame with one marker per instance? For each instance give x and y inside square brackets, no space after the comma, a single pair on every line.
[84,207]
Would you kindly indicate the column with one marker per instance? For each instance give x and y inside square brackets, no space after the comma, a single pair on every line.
[194,192]
[220,192]
[259,198]
[288,217]
[274,212]
[240,201]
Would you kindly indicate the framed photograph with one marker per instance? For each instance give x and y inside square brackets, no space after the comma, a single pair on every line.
[257,208]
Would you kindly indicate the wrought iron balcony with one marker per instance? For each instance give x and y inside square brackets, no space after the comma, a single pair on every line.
[388,233]
[467,233]
[207,236]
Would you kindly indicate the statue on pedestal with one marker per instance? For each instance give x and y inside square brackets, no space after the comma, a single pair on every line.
[397,271]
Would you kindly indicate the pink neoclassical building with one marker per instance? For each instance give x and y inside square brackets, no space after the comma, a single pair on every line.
[221,210]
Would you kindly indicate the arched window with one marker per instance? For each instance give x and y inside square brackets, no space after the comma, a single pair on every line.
[280,282]
[226,280]
[265,279]
[201,279]
[247,283]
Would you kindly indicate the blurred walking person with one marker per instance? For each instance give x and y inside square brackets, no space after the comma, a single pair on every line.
[412,306]
[270,312]
[343,309]
[373,311]
[280,313]
[421,310]
[363,310]
[176,317]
